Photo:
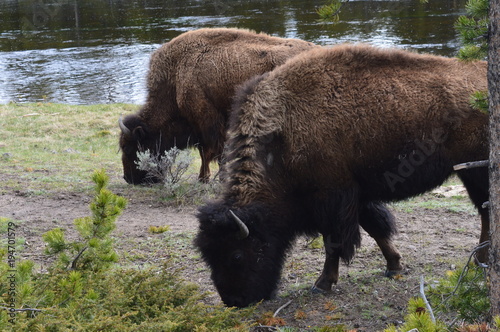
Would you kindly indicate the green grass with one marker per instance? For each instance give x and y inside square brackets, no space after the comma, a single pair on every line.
[55,147]
[453,204]
[48,148]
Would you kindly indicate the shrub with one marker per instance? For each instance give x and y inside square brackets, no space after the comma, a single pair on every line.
[169,168]
[418,318]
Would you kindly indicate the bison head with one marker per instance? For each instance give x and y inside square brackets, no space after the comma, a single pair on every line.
[244,257]
[137,135]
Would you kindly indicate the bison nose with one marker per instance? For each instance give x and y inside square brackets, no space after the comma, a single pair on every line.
[238,302]
[127,179]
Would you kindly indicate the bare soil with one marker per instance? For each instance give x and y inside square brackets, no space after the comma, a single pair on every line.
[431,240]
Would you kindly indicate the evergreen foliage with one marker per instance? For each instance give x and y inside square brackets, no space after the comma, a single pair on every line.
[463,291]
[329,13]
[418,318]
[94,250]
[473,30]
[84,291]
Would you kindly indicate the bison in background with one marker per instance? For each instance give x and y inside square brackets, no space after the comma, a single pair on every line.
[190,84]
[320,143]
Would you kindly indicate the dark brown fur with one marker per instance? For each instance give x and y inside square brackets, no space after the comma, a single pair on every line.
[319,144]
[190,84]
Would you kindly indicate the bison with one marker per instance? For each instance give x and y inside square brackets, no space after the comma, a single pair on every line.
[320,144]
[190,83]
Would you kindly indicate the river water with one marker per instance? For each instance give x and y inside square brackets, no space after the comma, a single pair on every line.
[97,51]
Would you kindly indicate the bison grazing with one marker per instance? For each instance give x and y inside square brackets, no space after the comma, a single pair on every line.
[321,143]
[190,84]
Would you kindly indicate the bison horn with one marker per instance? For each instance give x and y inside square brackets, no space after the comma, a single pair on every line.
[241,225]
[123,127]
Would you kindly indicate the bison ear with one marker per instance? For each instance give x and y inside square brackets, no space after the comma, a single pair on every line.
[139,133]
[133,127]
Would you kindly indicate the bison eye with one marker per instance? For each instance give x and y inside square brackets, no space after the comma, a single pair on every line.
[128,150]
[237,258]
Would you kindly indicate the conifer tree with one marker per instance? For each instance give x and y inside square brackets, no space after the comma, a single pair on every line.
[94,250]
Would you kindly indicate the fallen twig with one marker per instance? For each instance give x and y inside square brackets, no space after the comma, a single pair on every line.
[282,307]
[427,305]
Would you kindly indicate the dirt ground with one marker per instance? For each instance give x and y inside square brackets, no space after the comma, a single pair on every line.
[431,239]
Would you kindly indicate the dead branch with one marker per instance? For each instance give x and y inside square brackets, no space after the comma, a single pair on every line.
[472,164]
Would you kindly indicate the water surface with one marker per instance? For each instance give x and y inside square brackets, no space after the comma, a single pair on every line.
[97,51]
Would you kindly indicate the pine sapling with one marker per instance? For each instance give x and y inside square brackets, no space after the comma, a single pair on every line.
[94,250]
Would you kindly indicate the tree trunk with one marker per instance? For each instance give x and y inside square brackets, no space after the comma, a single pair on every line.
[494,109]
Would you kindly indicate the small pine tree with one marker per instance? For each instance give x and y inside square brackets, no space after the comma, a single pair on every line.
[94,251]
[464,291]
[418,318]
[473,32]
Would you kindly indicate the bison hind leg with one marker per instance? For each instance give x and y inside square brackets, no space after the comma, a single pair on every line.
[476,182]
[380,224]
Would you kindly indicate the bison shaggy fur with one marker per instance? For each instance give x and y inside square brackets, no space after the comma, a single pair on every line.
[190,84]
[322,142]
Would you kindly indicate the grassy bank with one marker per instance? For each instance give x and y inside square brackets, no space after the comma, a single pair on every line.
[47,148]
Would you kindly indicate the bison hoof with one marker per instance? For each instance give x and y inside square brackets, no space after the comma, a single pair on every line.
[393,274]
[316,290]
[321,287]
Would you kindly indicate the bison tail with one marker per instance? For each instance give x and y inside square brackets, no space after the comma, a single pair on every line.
[338,215]
[348,219]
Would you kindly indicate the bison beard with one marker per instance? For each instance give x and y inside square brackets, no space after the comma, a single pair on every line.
[319,145]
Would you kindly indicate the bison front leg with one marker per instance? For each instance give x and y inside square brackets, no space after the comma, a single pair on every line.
[330,273]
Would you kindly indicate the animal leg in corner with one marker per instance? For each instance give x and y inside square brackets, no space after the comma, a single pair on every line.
[482,254]
[330,273]
[476,182]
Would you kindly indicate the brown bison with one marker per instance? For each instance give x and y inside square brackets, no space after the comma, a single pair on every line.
[190,84]
[321,143]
